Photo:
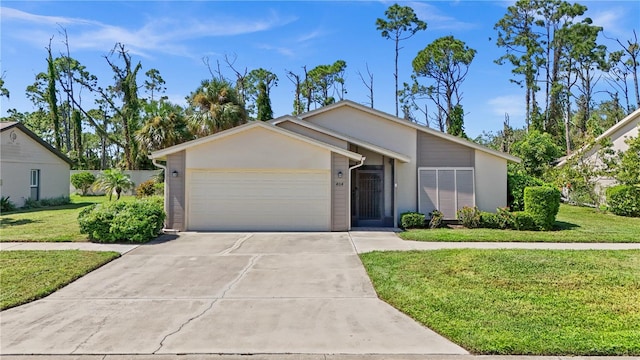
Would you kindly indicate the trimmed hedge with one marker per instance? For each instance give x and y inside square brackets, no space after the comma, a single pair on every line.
[516,183]
[137,221]
[412,220]
[542,203]
[624,200]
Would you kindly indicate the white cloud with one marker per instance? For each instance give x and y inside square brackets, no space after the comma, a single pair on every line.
[14,14]
[610,20]
[436,20]
[164,35]
[508,104]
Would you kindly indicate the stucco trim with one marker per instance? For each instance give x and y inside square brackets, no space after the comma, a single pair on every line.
[162,154]
[418,127]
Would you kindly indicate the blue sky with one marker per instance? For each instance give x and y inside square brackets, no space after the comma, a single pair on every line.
[280,36]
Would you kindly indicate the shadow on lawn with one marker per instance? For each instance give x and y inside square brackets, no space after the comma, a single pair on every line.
[563,225]
[50,208]
[6,222]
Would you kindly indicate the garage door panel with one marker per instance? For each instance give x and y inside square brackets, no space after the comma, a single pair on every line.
[251,200]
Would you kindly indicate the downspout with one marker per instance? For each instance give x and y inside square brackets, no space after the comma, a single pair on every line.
[166,187]
[351,168]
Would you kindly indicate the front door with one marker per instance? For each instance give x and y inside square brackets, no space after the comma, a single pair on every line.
[369,205]
[34,185]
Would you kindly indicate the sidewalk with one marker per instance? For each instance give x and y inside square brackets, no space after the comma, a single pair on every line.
[309,357]
[88,246]
[367,241]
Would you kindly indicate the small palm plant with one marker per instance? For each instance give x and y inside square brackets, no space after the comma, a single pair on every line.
[111,180]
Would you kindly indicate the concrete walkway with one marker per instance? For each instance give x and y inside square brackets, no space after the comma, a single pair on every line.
[222,293]
[366,241]
[252,296]
[121,248]
[310,357]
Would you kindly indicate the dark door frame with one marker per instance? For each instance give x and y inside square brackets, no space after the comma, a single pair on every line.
[378,218]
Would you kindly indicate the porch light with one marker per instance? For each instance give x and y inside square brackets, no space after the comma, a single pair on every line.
[340,174]
[174,173]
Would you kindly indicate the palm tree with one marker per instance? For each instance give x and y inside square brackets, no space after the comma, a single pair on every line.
[164,126]
[216,106]
[113,179]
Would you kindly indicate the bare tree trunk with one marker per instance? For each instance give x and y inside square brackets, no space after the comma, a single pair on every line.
[395,74]
[368,85]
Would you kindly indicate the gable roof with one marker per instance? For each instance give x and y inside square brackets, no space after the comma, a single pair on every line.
[397,120]
[610,131]
[7,125]
[160,154]
[364,144]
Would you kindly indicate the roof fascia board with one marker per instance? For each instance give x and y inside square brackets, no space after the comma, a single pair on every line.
[390,153]
[238,129]
[620,124]
[412,125]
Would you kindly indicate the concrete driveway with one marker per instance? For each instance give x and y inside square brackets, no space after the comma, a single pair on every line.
[222,293]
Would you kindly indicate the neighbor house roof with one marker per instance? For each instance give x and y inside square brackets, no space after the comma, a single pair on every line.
[7,125]
[161,154]
[612,130]
[361,143]
[455,139]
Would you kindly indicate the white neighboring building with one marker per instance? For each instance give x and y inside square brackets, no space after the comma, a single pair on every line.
[30,167]
[618,134]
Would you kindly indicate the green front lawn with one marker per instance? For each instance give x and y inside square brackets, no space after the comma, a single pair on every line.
[30,275]
[573,224]
[533,302]
[57,223]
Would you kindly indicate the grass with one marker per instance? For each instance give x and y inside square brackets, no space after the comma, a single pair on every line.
[52,224]
[518,302]
[573,224]
[30,275]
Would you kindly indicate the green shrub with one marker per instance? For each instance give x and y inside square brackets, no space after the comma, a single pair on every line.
[543,203]
[6,204]
[469,217]
[489,220]
[158,188]
[516,182]
[435,219]
[501,219]
[83,181]
[56,201]
[624,200]
[523,221]
[504,218]
[412,220]
[137,221]
[36,204]
[146,188]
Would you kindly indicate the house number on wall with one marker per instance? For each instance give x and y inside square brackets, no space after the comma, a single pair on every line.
[340,183]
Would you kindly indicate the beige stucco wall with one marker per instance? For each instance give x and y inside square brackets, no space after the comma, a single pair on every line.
[617,138]
[258,148]
[18,157]
[382,132]
[299,129]
[490,181]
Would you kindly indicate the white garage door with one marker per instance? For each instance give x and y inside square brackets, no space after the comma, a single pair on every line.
[259,200]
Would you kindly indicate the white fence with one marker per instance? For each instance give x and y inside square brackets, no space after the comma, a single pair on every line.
[137,176]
